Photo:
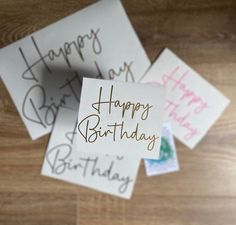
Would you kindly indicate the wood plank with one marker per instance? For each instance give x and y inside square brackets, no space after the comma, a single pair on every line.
[37,209]
[157,210]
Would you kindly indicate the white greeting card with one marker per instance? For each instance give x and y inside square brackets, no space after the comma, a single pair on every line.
[192,104]
[115,175]
[168,161]
[120,118]
[43,71]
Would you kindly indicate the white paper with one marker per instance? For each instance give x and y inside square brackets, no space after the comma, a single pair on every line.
[120,118]
[115,175]
[44,70]
[192,104]
[168,161]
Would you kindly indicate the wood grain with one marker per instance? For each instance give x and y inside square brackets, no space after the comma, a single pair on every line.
[41,209]
[203,33]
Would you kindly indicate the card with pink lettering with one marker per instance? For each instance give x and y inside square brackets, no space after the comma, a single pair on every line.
[44,70]
[120,118]
[192,104]
[114,175]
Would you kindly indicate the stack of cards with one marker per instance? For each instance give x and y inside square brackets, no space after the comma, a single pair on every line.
[89,81]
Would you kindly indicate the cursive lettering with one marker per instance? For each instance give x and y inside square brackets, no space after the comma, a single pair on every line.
[61,160]
[35,108]
[90,129]
[172,109]
[176,82]
[125,69]
[124,106]
[63,53]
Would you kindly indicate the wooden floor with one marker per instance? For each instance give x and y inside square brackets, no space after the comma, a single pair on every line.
[203,33]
